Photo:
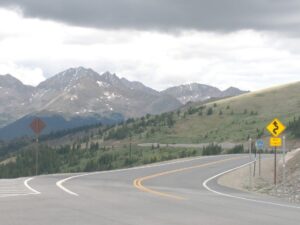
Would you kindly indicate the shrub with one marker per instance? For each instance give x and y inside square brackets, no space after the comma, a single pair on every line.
[209,111]
[236,149]
[294,127]
[212,149]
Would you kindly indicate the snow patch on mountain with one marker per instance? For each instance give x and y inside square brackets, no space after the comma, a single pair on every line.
[73,97]
[102,84]
[111,95]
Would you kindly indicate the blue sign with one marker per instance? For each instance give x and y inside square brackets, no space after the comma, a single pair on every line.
[260,144]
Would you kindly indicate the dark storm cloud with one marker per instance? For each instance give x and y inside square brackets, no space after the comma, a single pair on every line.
[208,15]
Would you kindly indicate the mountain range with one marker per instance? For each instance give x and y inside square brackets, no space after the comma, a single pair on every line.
[83,93]
[200,92]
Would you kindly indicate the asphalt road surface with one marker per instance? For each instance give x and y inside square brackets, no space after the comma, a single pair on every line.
[183,192]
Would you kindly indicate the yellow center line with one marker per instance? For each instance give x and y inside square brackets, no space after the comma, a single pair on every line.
[138,183]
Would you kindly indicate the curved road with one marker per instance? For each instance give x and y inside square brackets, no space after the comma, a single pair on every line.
[183,192]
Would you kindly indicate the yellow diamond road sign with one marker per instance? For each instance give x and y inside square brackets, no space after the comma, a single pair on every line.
[275,127]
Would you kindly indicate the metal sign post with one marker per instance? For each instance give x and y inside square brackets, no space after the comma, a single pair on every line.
[275,128]
[275,142]
[37,125]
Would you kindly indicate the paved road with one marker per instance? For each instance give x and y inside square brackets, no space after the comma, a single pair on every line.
[179,192]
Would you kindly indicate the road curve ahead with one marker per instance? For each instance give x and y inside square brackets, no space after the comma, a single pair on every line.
[183,192]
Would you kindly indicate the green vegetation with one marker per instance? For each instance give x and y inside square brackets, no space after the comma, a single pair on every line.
[10,147]
[294,127]
[236,150]
[210,111]
[95,158]
[212,149]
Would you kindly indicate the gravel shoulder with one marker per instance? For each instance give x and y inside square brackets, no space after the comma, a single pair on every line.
[264,183]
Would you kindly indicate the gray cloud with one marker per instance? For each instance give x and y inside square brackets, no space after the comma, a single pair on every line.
[168,15]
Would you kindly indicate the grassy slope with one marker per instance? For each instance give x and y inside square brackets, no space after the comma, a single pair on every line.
[282,102]
[234,125]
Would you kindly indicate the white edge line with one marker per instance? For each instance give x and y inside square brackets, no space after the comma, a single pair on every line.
[15,195]
[34,192]
[59,183]
[30,188]
[238,197]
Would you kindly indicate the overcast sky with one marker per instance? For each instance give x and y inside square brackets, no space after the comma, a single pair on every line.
[251,44]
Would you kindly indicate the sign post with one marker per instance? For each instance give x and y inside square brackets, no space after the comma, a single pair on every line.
[275,128]
[37,125]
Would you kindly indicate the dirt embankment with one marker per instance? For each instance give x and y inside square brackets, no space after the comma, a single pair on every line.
[264,182]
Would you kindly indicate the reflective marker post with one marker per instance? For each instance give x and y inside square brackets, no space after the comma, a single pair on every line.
[259,146]
[254,167]
[275,166]
[36,154]
[130,139]
[250,165]
[283,165]
[259,163]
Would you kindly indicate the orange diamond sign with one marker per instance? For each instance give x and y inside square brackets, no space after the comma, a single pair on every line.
[37,125]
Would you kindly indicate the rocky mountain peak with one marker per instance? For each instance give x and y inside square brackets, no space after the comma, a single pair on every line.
[195,92]
[111,78]
[9,81]
[68,78]
[232,91]
[77,73]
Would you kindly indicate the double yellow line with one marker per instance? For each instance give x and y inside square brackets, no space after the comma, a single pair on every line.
[138,183]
